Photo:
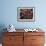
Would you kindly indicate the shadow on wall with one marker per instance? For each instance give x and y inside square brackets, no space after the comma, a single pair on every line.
[2,26]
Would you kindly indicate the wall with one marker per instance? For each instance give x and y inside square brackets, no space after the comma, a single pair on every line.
[8,13]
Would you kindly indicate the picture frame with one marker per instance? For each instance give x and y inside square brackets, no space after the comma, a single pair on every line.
[26,14]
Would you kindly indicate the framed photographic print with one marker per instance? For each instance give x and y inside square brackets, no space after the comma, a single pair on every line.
[26,14]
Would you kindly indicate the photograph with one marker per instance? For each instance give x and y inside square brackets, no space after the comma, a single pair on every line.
[25,14]
[22,23]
